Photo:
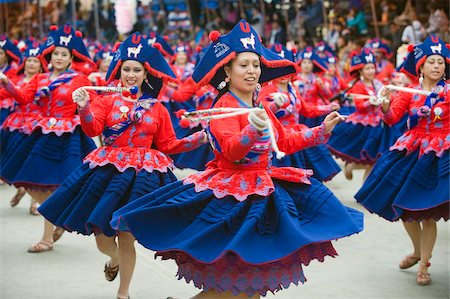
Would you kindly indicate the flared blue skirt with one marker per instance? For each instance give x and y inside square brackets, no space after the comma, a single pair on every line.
[362,144]
[86,200]
[317,158]
[42,160]
[407,186]
[253,246]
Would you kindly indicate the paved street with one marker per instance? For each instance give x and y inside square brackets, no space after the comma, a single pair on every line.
[366,268]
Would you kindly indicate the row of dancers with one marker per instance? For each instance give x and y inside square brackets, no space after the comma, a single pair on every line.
[258,124]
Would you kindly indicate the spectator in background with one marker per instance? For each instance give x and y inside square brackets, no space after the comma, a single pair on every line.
[358,21]
[278,34]
[414,33]
[314,18]
[333,33]
[438,21]
[257,21]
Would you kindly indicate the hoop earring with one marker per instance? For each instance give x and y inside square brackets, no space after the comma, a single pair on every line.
[258,86]
[227,79]
[421,78]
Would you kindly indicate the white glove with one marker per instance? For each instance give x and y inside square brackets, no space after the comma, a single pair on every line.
[279,98]
[80,96]
[3,78]
[255,119]
[374,101]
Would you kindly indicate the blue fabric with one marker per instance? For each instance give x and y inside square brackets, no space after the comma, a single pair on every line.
[401,181]
[242,38]
[259,229]
[4,114]
[311,122]
[195,159]
[364,144]
[44,159]
[347,110]
[317,158]
[86,200]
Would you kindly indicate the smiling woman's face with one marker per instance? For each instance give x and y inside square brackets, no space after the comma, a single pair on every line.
[132,73]
[244,72]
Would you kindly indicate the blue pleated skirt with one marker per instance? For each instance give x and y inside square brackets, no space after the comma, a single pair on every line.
[407,186]
[254,246]
[42,160]
[86,200]
[317,158]
[347,110]
[362,144]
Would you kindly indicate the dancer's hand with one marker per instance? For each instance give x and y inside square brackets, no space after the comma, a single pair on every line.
[331,120]
[80,96]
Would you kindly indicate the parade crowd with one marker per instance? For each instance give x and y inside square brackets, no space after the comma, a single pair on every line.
[92,132]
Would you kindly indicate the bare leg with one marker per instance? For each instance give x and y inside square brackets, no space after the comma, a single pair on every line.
[414,231]
[367,172]
[127,261]
[47,236]
[108,246]
[213,294]
[427,241]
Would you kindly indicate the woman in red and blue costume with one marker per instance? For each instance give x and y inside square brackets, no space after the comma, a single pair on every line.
[310,85]
[137,135]
[243,228]
[287,105]
[10,56]
[338,86]
[202,98]
[382,52]
[363,137]
[57,142]
[22,117]
[411,181]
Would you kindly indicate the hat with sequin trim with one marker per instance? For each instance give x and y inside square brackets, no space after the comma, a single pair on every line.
[360,60]
[310,53]
[11,50]
[136,47]
[242,38]
[432,45]
[65,37]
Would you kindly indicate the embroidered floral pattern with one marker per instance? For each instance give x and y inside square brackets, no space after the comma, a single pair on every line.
[126,157]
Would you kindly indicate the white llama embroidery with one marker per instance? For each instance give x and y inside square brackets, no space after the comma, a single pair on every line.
[248,41]
[65,40]
[135,51]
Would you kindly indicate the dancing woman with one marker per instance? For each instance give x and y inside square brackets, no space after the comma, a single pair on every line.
[137,135]
[241,228]
[411,181]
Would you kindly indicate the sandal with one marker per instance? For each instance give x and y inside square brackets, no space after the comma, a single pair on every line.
[422,278]
[408,261]
[111,272]
[33,209]
[57,233]
[41,246]
[16,198]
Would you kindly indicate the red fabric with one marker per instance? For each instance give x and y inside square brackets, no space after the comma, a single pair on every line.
[57,112]
[432,133]
[365,114]
[135,143]
[233,173]
[384,74]
[312,92]
[294,109]
[84,67]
